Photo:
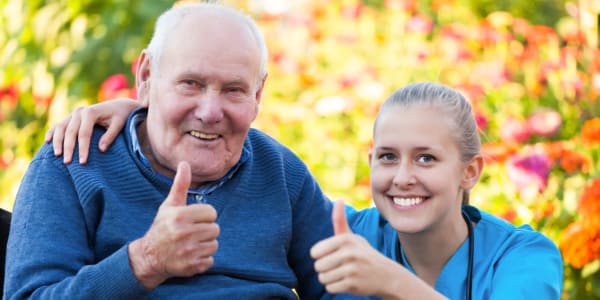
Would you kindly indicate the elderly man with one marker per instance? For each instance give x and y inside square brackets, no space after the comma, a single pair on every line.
[188,202]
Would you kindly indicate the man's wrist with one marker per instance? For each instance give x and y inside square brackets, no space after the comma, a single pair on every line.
[142,269]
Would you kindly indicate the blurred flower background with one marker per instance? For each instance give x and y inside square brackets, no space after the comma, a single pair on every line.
[530,68]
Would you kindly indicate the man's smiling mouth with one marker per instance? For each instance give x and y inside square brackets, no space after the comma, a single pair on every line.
[204,136]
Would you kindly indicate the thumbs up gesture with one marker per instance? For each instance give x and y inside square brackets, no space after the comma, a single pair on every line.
[181,240]
[338,216]
[347,263]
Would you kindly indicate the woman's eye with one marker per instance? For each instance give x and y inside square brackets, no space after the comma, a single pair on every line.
[425,158]
[387,156]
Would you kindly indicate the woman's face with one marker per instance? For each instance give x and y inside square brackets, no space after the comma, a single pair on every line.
[417,177]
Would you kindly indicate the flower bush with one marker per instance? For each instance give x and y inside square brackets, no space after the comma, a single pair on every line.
[535,90]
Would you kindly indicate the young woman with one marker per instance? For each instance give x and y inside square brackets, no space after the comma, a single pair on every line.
[425,159]
[422,240]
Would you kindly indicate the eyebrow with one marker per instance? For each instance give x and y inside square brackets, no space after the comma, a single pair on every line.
[420,148]
[202,77]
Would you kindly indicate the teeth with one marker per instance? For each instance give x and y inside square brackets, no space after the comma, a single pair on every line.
[407,201]
[206,136]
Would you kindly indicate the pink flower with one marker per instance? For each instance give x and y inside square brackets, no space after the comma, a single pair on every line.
[514,130]
[420,24]
[529,171]
[482,122]
[544,122]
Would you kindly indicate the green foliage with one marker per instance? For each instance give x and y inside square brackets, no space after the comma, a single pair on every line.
[546,12]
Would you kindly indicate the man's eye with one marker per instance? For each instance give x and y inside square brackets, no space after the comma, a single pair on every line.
[234,90]
[189,82]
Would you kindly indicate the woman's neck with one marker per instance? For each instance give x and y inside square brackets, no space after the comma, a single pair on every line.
[428,252]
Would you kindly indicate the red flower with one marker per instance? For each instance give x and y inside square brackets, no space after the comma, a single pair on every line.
[113,87]
[9,94]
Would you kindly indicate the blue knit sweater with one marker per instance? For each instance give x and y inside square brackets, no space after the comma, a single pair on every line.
[72,224]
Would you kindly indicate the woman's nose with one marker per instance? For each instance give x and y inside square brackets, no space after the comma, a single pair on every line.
[404,175]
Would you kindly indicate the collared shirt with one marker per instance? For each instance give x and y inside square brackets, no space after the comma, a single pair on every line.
[194,195]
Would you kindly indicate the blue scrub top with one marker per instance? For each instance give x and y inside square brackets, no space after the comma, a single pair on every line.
[508,262]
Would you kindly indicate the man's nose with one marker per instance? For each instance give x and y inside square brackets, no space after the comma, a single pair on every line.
[209,107]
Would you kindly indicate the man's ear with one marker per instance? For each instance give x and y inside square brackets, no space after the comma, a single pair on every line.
[258,94]
[472,172]
[142,78]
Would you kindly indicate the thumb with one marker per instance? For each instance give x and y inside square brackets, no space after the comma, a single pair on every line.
[338,217]
[181,184]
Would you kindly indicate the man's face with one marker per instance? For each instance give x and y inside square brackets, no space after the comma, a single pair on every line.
[203,98]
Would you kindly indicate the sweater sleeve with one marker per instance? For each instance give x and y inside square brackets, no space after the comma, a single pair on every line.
[531,269]
[50,245]
[311,223]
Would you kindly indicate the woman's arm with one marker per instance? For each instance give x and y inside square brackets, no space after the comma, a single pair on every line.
[347,263]
[79,125]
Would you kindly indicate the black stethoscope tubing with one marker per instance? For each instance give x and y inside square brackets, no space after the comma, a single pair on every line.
[469,282]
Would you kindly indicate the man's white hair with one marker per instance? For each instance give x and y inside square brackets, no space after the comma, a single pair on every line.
[168,20]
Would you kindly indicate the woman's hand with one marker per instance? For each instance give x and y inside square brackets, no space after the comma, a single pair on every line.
[79,126]
[347,263]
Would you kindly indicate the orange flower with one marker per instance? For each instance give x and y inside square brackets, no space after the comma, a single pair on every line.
[555,150]
[539,35]
[497,152]
[590,131]
[544,209]
[510,215]
[573,162]
[589,201]
[580,243]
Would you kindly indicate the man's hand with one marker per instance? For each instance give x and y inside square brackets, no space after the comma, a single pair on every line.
[79,126]
[181,240]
